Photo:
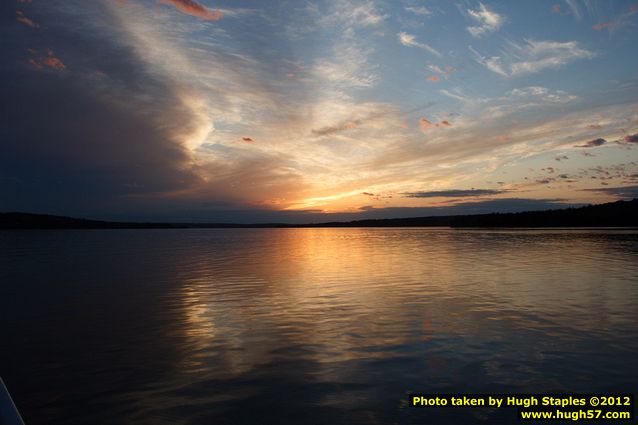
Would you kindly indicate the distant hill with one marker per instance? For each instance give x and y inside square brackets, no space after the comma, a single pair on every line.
[613,214]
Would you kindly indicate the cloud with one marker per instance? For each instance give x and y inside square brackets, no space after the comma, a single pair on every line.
[602,25]
[556,8]
[548,54]
[592,143]
[364,14]
[419,10]
[367,194]
[426,124]
[409,40]
[333,129]
[248,139]
[488,21]
[493,63]
[574,8]
[542,93]
[48,59]
[111,132]
[433,78]
[633,138]
[453,193]
[22,18]
[191,7]
[178,101]
[437,69]
[624,192]
[533,56]
[349,68]
[561,158]
[350,15]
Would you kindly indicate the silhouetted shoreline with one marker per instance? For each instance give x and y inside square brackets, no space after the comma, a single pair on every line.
[613,214]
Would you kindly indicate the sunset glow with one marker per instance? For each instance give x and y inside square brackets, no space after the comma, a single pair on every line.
[285,111]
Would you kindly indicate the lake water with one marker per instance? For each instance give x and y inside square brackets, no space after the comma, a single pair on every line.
[310,326]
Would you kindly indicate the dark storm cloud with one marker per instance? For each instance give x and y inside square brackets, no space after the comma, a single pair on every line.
[453,193]
[84,124]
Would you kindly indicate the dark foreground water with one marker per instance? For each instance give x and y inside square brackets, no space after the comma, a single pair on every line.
[310,326]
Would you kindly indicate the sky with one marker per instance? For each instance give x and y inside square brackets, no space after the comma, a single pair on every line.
[306,111]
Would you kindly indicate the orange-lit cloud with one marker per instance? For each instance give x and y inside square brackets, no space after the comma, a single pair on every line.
[248,139]
[603,25]
[191,7]
[426,124]
[556,8]
[595,126]
[22,18]
[39,61]
[433,78]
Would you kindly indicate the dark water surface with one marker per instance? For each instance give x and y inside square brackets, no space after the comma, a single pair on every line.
[310,326]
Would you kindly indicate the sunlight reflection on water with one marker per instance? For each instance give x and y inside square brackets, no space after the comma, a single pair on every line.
[310,325]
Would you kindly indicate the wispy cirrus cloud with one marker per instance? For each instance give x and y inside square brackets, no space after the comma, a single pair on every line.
[486,19]
[410,40]
[573,6]
[540,93]
[539,55]
[351,14]
[419,10]
[191,7]
[533,56]
[603,25]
